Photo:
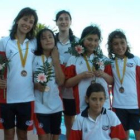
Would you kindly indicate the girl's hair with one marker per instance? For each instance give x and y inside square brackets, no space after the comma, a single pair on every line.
[92,29]
[117,34]
[24,12]
[95,87]
[71,36]
[39,50]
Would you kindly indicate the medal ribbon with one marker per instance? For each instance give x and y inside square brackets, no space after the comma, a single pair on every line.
[88,66]
[117,69]
[23,59]
[43,58]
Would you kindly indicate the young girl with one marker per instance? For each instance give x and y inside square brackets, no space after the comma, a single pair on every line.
[126,89]
[79,72]
[96,122]
[48,103]
[17,105]
[64,39]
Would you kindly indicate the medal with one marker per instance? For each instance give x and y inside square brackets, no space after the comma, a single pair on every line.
[23,73]
[121,89]
[23,58]
[47,88]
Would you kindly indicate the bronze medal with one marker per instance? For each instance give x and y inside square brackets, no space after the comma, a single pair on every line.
[121,89]
[47,88]
[23,73]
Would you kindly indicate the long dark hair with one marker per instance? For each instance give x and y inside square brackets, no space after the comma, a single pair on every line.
[39,50]
[24,12]
[92,29]
[71,35]
[117,34]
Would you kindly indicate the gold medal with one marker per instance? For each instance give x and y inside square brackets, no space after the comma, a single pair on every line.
[47,88]
[121,89]
[23,73]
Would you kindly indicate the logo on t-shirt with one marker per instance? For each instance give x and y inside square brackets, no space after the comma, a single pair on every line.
[105,127]
[129,64]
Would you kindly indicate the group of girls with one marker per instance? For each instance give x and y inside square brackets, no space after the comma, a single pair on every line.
[72,87]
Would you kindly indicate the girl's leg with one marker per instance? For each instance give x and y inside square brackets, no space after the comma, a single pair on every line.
[68,123]
[9,134]
[127,135]
[137,135]
[21,134]
[54,137]
[44,137]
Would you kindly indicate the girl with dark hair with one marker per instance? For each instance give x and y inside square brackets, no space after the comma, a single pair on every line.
[17,106]
[126,88]
[48,103]
[96,122]
[80,70]
[64,40]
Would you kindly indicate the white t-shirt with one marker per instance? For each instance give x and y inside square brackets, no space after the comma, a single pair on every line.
[130,98]
[19,88]
[106,126]
[77,65]
[50,101]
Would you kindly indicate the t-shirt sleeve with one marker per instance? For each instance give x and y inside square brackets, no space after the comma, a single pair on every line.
[108,70]
[117,130]
[76,131]
[70,69]
[2,49]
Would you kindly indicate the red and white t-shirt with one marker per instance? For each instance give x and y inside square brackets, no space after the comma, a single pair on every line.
[67,93]
[130,98]
[105,127]
[19,88]
[52,101]
[75,66]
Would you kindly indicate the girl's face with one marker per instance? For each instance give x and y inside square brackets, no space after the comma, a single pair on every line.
[47,40]
[119,46]
[91,42]
[63,22]
[96,101]
[25,24]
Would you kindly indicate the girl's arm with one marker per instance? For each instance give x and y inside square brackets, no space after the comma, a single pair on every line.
[59,75]
[71,82]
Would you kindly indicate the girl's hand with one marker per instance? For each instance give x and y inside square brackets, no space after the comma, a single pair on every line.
[3,83]
[87,74]
[99,73]
[39,87]
[55,55]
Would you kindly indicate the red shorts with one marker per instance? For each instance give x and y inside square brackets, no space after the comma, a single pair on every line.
[17,114]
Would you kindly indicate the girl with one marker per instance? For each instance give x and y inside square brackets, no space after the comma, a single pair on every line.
[48,104]
[18,101]
[96,122]
[64,39]
[126,89]
[79,72]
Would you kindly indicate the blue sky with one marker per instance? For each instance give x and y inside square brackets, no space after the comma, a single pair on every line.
[107,14]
